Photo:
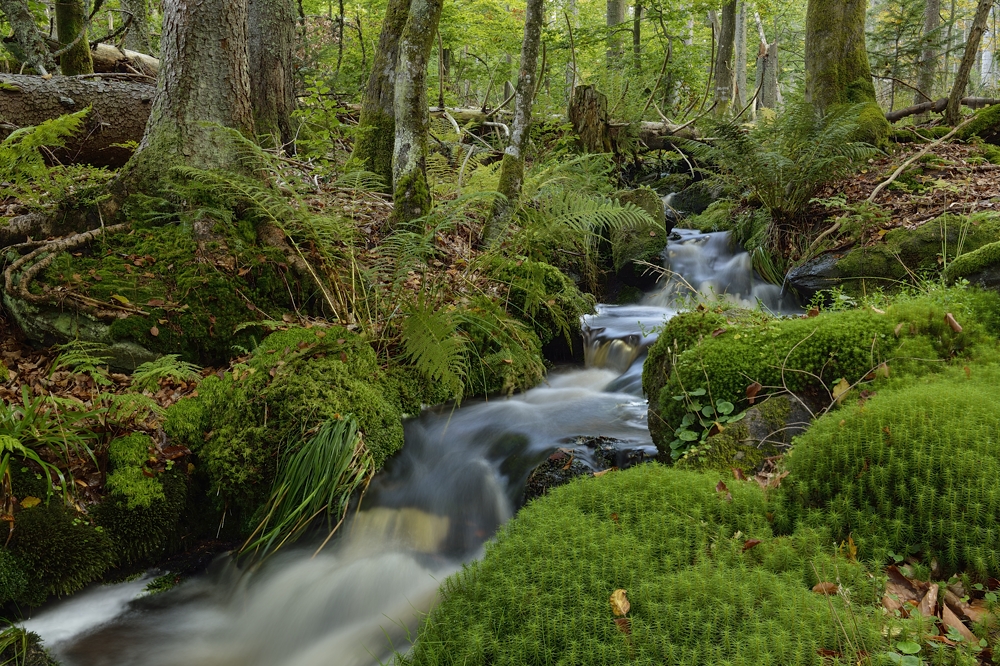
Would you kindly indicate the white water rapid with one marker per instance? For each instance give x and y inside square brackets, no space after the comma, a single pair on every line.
[460,475]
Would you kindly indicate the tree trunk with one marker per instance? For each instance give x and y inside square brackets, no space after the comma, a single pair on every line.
[927,68]
[724,59]
[119,110]
[374,135]
[512,167]
[742,95]
[203,82]
[588,111]
[637,37]
[71,23]
[271,34]
[137,37]
[837,68]
[411,194]
[615,17]
[29,39]
[952,113]
[767,65]
[108,59]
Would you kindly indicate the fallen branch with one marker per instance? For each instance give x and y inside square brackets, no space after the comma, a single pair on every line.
[938,106]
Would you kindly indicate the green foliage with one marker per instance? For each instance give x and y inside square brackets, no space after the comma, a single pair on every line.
[19,647]
[432,342]
[21,157]
[145,524]
[316,480]
[128,477]
[147,376]
[82,357]
[13,577]
[700,422]
[717,217]
[506,354]
[677,546]
[914,470]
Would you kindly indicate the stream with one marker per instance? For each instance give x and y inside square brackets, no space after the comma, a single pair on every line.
[460,475]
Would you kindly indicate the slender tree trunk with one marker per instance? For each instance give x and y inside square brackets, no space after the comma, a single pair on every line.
[512,167]
[271,34]
[767,63]
[742,95]
[137,37]
[724,59]
[615,17]
[28,38]
[374,135]
[927,67]
[71,23]
[837,68]
[949,42]
[411,194]
[637,38]
[203,81]
[952,113]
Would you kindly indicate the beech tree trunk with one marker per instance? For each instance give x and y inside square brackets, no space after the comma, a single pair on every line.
[137,37]
[767,68]
[952,113]
[512,167]
[615,17]
[71,25]
[411,194]
[272,75]
[375,134]
[637,37]
[118,114]
[741,95]
[837,68]
[927,67]
[724,59]
[28,38]
[204,81]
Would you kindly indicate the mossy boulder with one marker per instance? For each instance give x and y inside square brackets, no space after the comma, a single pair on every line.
[873,128]
[174,294]
[642,242]
[717,217]
[913,470]
[986,126]
[696,197]
[678,547]
[980,267]
[890,263]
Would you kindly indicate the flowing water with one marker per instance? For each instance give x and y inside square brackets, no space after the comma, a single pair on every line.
[460,475]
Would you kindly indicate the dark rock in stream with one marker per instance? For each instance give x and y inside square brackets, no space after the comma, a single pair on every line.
[581,456]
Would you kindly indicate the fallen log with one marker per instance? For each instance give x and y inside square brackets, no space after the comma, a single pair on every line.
[119,104]
[938,106]
[108,58]
[662,136]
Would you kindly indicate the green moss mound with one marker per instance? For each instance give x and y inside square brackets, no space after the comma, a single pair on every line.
[986,126]
[975,264]
[643,242]
[127,476]
[293,381]
[676,545]
[914,470]
[144,533]
[196,298]
[717,217]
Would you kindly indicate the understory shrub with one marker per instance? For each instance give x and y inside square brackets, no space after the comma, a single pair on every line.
[912,470]
[700,591]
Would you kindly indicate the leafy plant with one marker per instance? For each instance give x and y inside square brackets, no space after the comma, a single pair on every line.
[148,375]
[702,420]
[21,156]
[433,343]
[82,357]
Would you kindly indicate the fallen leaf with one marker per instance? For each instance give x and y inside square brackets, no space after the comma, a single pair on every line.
[823,652]
[624,625]
[720,488]
[968,372]
[30,501]
[899,327]
[738,474]
[951,620]
[955,326]
[154,331]
[928,605]
[717,332]
[814,312]
[619,603]
[752,391]
[825,588]
[605,471]
[840,390]
[121,299]
[750,543]
[614,517]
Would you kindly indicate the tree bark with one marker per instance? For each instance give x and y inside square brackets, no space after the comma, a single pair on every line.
[29,39]
[137,37]
[375,134]
[637,37]
[724,60]
[953,111]
[939,105]
[615,17]
[272,74]
[767,64]
[203,83]
[837,68]
[411,193]
[512,167]
[588,112]
[71,28]
[119,110]
[108,59]
[926,68]
[741,94]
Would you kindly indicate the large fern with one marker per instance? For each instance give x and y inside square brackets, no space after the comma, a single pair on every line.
[21,156]
[432,342]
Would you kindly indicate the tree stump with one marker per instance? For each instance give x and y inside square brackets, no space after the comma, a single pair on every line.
[589,114]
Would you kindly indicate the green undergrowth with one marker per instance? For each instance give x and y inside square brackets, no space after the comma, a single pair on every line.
[194,299]
[707,580]
[914,470]
[718,353]
[241,420]
[717,217]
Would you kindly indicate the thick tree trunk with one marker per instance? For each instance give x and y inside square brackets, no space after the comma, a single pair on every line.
[952,113]
[615,17]
[137,37]
[767,68]
[588,111]
[203,82]
[724,59]
[29,39]
[71,25]
[741,94]
[119,109]
[512,167]
[411,193]
[927,67]
[272,75]
[837,68]
[375,134]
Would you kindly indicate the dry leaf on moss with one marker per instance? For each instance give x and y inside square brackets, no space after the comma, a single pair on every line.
[619,602]
[825,588]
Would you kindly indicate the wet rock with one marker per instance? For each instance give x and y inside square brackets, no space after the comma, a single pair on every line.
[582,456]
[695,198]
[818,274]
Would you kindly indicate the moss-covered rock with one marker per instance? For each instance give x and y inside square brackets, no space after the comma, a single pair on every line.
[143,528]
[194,297]
[873,128]
[986,126]
[980,267]
[642,242]
[678,548]
[890,263]
[717,217]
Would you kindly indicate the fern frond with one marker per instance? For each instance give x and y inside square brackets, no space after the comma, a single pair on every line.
[148,375]
[432,342]
[20,152]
